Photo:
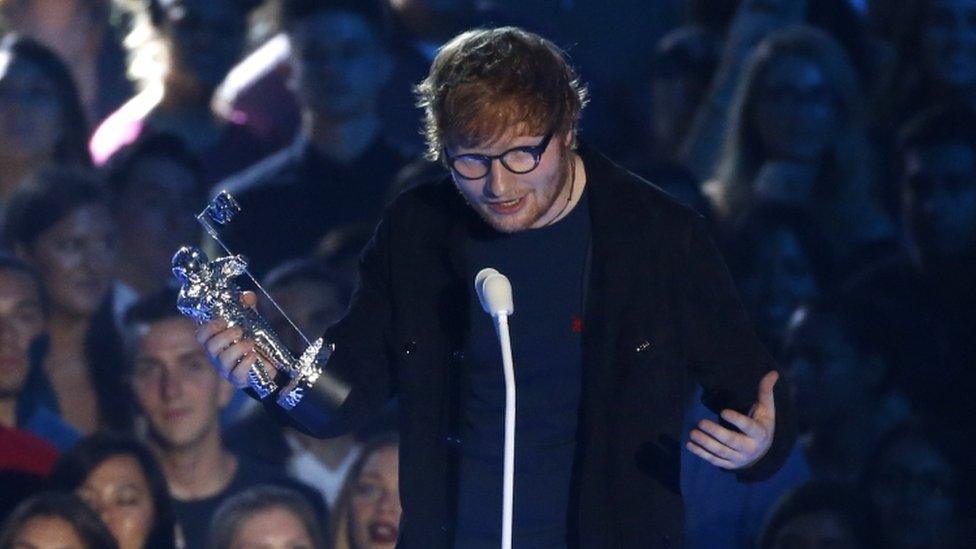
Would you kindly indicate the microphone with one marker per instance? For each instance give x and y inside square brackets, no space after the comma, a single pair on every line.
[495,294]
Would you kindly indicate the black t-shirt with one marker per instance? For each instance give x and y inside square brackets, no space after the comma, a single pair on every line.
[194,516]
[546,269]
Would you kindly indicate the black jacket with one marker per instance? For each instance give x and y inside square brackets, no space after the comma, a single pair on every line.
[660,312]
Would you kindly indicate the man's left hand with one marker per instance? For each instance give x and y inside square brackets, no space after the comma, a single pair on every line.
[729,449]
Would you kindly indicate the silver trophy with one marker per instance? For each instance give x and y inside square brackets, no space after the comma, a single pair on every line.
[208,291]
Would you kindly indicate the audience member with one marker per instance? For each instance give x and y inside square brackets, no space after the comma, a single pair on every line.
[819,514]
[339,167]
[81,33]
[119,478]
[779,261]
[915,491]
[269,517]
[23,319]
[314,297]
[155,187]
[182,49]
[41,119]
[50,520]
[835,358]
[61,226]
[924,297]
[181,397]
[368,513]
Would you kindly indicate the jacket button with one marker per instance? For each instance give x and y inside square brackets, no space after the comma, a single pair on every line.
[409,347]
[643,346]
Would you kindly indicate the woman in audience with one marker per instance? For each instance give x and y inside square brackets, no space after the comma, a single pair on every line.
[55,520]
[61,225]
[266,516]
[797,136]
[41,118]
[367,515]
[119,478]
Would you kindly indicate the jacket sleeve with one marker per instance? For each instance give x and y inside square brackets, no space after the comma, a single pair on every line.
[722,351]
[360,357]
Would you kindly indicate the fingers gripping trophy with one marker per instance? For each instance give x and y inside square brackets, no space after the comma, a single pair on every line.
[208,291]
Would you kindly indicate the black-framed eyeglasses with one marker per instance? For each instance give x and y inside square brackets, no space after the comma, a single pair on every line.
[518,160]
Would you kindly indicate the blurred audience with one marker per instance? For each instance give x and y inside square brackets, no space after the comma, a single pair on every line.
[180,396]
[797,136]
[339,167]
[52,520]
[155,186]
[119,478]
[23,340]
[916,492]
[368,513]
[839,376]
[181,50]
[61,225]
[41,118]
[81,33]
[819,515]
[268,517]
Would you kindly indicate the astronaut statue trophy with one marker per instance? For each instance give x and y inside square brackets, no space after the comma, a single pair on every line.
[208,291]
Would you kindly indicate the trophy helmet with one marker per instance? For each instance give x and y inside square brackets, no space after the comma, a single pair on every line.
[188,263]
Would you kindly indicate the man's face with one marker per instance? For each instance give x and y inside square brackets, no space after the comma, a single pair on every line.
[511,202]
[340,64]
[176,386]
[21,321]
[206,38]
[940,198]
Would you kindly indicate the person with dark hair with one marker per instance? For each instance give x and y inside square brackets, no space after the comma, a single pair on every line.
[181,397]
[23,318]
[180,52]
[367,515]
[819,514]
[61,226]
[266,516]
[836,357]
[155,185]
[339,166]
[41,119]
[916,488]
[924,295]
[623,300]
[51,519]
[118,477]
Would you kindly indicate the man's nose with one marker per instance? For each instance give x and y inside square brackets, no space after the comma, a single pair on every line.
[498,181]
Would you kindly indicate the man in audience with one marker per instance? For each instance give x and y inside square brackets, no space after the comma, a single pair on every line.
[22,332]
[181,397]
[339,167]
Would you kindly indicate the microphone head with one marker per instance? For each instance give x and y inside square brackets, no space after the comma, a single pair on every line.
[479,280]
[497,295]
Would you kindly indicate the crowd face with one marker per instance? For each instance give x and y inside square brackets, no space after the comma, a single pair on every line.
[341,65]
[913,494]
[948,43]
[44,532]
[30,110]
[511,202]
[154,213]
[941,199]
[21,321]
[783,279]
[274,528]
[177,388]
[118,491]
[795,111]
[76,258]
[813,531]
[313,306]
[375,506]
[205,38]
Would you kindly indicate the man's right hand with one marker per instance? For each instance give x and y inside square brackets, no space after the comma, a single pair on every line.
[230,352]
